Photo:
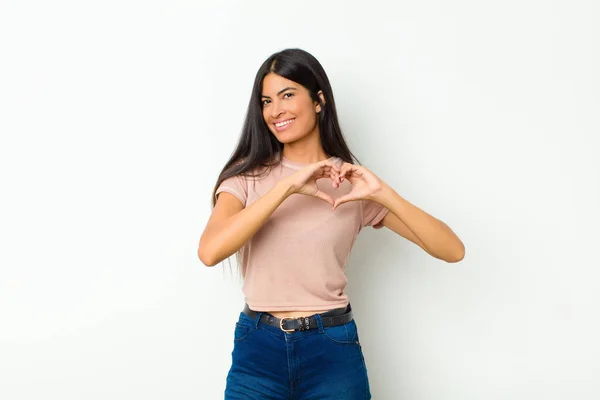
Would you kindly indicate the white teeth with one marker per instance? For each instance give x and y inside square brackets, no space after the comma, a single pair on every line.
[280,124]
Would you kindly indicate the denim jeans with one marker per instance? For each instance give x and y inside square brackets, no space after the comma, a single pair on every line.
[316,364]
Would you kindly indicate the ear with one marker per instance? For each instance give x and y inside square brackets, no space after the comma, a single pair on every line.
[321,100]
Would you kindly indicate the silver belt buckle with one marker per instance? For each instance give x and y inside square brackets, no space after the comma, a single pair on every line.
[281,324]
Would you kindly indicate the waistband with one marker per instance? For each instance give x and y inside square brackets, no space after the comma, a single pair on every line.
[337,316]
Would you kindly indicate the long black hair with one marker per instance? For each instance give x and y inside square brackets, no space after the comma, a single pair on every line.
[257,146]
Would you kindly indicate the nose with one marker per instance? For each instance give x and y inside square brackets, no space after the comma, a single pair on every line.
[277,109]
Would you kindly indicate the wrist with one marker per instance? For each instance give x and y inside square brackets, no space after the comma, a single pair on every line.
[286,187]
[381,195]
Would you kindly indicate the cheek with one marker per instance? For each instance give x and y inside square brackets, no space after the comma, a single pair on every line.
[266,117]
[309,115]
[304,111]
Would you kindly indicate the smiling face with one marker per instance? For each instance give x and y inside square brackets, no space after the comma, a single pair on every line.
[288,110]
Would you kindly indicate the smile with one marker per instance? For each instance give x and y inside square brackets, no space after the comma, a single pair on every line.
[283,123]
[280,126]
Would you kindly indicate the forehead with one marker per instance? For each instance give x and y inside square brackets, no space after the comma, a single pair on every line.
[273,83]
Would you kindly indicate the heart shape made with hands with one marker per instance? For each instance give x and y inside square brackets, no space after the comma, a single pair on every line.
[364,183]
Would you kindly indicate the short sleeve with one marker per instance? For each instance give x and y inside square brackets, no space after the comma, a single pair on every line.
[373,214]
[237,186]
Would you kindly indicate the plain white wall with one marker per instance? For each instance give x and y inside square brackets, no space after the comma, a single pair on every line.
[117,116]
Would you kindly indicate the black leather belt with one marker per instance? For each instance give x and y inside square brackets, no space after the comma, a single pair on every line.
[338,316]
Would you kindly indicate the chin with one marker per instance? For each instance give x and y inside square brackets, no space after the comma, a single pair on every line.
[283,137]
[285,141]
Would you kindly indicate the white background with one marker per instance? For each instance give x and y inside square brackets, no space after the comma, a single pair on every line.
[117,116]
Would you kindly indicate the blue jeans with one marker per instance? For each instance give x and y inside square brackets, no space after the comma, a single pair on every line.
[316,364]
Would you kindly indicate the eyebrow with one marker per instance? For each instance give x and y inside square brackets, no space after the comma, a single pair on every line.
[281,91]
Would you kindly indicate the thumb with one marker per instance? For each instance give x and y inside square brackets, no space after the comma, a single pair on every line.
[323,196]
[342,200]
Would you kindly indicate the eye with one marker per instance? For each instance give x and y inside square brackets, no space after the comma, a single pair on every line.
[265,102]
[288,94]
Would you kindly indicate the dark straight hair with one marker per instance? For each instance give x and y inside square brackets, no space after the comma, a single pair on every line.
[257,146]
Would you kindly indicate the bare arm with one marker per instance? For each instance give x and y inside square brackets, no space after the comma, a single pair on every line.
[421,228]
[231,225]
[404,218]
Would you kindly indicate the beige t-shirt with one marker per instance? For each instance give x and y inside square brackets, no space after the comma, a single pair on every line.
[297,260]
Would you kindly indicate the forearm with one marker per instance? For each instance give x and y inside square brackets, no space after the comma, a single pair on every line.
[229,237]
[437,237]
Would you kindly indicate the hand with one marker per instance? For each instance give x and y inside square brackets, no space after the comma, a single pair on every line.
[305,180]
[364,183]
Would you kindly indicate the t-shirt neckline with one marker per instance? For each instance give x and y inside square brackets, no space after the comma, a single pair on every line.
[292,164]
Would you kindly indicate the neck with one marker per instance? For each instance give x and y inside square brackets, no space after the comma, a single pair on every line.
[307,150]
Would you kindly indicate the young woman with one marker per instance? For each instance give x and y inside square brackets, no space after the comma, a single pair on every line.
[290,202]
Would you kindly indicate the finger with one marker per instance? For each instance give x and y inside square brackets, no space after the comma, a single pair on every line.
[330,163]
[322,171]
[342,200]
[346,169]
[334,163]
[324,196]
[334,176]
[350,171]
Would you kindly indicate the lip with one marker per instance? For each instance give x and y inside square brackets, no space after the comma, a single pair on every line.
[284,127]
